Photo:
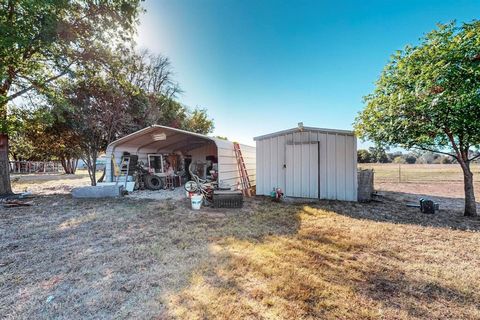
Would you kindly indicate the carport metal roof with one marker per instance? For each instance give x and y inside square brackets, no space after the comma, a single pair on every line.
[162,138]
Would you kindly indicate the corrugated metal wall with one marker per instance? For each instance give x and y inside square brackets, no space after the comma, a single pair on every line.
[227,163]
[336,167]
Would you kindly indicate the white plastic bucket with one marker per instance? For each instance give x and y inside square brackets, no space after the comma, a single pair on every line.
[196,201]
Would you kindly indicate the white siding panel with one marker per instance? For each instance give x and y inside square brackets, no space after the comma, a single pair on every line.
[273,162]
[322,141]
[331,167]
[260,169]
[282,161]
[350,169]
[227,163]
[267,164]
[305,166]
[314,166]
[297,170]
[289,182]
[340,148]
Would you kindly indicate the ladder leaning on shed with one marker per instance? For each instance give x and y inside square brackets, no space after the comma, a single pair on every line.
[242,169]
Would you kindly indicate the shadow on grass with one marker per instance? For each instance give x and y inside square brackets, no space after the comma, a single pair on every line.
[113,258]
[393,208]
[332,267]
[124,258]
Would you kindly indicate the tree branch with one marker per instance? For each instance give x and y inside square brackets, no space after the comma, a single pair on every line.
[435,151]
[36,85]
[476,157]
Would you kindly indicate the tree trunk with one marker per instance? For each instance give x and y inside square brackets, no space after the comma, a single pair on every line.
[91,162]
[93,178]
[5,186]
[64,164]
[103,175]
[69,165]
[74,165]
[470,203]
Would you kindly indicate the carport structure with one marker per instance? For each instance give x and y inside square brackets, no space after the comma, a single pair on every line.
[158,139]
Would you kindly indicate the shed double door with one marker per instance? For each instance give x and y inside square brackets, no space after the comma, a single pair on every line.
[302,166]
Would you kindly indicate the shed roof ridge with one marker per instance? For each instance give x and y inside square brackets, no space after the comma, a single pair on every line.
[297,129]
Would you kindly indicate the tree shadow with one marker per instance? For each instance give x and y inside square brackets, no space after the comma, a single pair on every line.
[415,297]
[392,207]
[113,258]
[333,267]
[151,259]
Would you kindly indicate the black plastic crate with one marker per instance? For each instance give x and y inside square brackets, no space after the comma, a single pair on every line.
[227,199]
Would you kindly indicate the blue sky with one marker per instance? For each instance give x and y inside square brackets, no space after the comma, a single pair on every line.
[264,66]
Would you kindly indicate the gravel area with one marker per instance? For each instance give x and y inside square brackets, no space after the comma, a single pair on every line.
[177,194]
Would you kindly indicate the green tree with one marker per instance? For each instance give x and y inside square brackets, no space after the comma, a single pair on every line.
[44,40]
[198,121]
[428,97]
[378,154]
[40,135]
[399,159]
[363,156]
[410,158]
[93,108]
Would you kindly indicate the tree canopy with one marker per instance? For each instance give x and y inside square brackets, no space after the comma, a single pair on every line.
[44,40]
[428,97]
[78,59]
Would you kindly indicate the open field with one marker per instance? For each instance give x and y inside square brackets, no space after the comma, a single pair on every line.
[392,172]
[49,183]
[127,258]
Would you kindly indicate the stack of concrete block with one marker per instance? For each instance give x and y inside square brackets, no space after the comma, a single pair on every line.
[109,191]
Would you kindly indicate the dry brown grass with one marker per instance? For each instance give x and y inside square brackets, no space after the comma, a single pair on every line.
[337,267]
[129,258]
[54,183]
[393,172]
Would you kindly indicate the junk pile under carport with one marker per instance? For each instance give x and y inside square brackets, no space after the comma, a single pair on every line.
[164,158]
[208,192]
[163,171]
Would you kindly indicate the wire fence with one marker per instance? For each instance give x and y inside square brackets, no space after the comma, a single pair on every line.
[402,173]
[35,167]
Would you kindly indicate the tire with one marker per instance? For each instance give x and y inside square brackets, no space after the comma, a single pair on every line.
[190,186]
[153,182]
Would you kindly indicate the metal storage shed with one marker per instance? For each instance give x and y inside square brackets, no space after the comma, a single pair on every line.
[158,139]
[308,162]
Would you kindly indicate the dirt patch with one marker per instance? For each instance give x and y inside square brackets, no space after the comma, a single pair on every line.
[176,194]
[448,194]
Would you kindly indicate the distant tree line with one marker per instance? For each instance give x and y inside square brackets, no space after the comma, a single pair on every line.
[380,155]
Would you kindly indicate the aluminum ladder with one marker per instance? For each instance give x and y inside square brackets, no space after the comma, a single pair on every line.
[242,170]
